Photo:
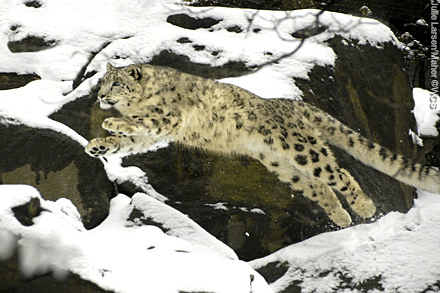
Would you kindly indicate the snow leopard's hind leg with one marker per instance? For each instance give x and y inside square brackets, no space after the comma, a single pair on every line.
[354,195]
[312,189]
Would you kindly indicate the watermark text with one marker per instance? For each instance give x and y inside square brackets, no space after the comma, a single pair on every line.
[434,54]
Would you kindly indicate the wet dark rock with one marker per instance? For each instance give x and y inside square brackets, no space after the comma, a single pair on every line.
[82,75]
[183,63]
[84,115]
[199,47]
[344,280]
[26,212]
[186,21]
[432,146]
[308,32]
[13,80]
[267,5]
[184,40]
[273,271]
[235,29]
[292,288]
[34,4]
[138,216]
[58,167]
[31,44]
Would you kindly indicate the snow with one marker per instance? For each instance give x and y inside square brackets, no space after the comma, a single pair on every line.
[181,226]
[426,111]
[402,249]
[128,257]
[134,31]
[218,206]
[119,255]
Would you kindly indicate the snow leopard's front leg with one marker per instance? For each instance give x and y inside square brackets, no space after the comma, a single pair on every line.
[122,126]
[156,122]
[103,147]
[135,132]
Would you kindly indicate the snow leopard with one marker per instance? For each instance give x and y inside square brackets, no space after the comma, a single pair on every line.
[290,138]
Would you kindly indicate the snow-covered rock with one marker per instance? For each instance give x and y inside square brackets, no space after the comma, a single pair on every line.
[398,253]
[55,164]
[121,254]
[351,67]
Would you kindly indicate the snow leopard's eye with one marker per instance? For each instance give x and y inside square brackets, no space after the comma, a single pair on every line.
[115,83]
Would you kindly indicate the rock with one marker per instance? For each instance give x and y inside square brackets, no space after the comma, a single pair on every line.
[274,271]
[27,212]
[58,167]
[13,80]
[145,210]
[12,281]
[34,4]
[367,258]
[31,44]
[26,204]
[84,116]
[185,21]
[183,63]
[54,256]
[267,5]
[309,32]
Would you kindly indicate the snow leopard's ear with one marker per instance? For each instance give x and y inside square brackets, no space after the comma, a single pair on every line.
[109,66]
[135,72]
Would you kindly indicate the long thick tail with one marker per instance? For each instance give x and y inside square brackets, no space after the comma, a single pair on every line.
[372,154]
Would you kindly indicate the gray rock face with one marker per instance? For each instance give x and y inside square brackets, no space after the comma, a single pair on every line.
[185,21]
[31,44]
[57,166]
[13,80]
[183,63]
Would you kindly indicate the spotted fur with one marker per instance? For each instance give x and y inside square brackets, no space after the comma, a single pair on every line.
[290,138]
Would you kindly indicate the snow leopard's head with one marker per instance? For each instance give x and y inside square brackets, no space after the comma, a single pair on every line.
[119,86]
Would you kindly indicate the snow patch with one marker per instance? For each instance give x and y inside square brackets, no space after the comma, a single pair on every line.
[118,256]
[402,250]
[426,115]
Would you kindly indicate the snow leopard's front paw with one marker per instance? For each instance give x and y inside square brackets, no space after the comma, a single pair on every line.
[102,147]
[120,126]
